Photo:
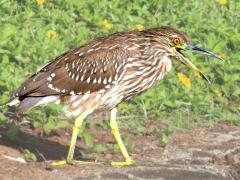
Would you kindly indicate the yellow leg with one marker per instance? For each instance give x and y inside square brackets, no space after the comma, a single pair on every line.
[115,131]
[69,160]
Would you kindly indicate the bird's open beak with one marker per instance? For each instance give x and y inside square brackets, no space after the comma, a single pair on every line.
[198,50]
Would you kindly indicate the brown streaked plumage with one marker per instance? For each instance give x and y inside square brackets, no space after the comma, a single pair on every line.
[104,72]
[97,67]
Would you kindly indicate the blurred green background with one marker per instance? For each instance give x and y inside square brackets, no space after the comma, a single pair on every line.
[34,32]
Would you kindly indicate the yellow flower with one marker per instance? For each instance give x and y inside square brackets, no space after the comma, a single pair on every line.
[106,24]
[40,2]
[223,55]
[222,2]
[51,34]
[185,80]
[139,27]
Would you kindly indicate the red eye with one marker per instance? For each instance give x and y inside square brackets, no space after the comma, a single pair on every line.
[176,41]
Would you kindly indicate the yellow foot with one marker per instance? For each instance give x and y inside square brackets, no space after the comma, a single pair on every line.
[72,162]
[125,163]
[59,163]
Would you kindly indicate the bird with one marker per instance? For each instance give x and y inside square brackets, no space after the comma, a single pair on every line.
[104,72]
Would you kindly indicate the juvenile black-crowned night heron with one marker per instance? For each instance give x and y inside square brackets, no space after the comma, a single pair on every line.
[101,74]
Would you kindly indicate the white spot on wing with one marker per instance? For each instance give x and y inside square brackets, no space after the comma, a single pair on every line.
[49,79]
[50,86]
[110,79]
[77,78]
[88,80]
[73,65]
[105,81]
[66,66]
[82,78]
[99,80]
[105,68]
[91,71]
[73,76]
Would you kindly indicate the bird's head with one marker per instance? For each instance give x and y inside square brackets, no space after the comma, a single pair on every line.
[177,42]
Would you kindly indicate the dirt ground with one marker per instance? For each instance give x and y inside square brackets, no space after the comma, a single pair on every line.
[200,153]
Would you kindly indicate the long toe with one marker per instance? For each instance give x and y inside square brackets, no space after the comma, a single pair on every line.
[124,163]
[73,162]
[77,163]
[59,163]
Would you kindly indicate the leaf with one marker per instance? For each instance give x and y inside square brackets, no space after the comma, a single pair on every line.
[5,59]
[172,104]
[164,139]
[49,126]
[7,30]
[88,140]
[3,118]
[29,156]
[99,148]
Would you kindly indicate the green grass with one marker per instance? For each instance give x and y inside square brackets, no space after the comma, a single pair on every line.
[24,46]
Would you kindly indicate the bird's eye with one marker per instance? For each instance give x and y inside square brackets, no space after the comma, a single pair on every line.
[176,41]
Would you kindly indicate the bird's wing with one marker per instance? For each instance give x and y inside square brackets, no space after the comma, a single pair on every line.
[77,72]
[88,73]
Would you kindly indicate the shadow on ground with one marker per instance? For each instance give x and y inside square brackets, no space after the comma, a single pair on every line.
[201,153]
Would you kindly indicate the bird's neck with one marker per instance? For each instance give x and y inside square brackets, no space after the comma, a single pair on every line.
[143,75]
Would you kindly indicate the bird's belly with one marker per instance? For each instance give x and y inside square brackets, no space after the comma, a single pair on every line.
[111,98]
[86,104]
[82,104]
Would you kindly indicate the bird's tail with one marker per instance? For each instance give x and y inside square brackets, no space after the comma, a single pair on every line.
[24,104]
[30,102]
